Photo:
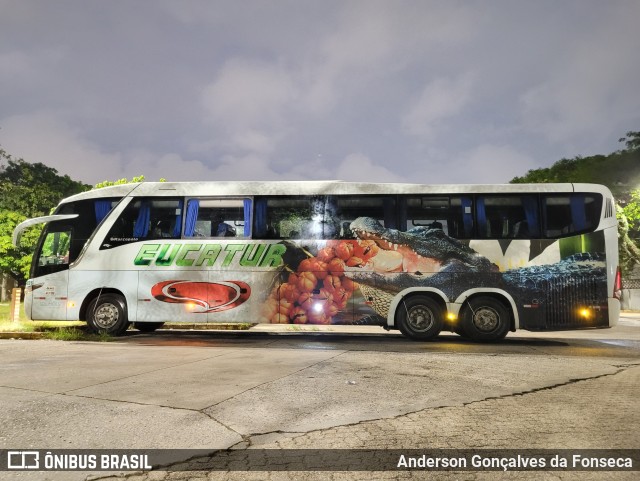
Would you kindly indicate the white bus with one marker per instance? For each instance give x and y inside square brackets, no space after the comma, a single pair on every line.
[478,260]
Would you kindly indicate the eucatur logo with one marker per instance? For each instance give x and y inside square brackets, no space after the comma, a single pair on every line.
[203,297]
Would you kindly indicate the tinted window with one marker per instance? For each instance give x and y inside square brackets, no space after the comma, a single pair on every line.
[218,218]
[319,217]
[569,214]
[62,241]
[146,218]
[453,215]
[507,217]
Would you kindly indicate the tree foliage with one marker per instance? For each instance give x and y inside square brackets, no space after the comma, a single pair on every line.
[33,189]
[133,180]
[620,171]
[27,190]
[631,141]
[16,261]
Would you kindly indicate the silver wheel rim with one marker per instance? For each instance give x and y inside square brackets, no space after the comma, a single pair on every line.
[486,319]
[106,316]
[420,318]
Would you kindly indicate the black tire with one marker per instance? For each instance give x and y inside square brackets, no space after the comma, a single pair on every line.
[147,326]
[485,319]
[107,314]
[420,317]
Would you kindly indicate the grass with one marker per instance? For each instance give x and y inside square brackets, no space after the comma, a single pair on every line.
[56,330]
[65,334]
[76,334]
[76,330]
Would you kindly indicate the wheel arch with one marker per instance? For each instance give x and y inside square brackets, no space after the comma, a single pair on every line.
[101,291]
[498,294]
[432,292]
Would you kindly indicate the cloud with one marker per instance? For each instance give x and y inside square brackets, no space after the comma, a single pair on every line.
[248,94]
[14,64]
[593,83]
[47,138]
[360,168]
[381,90]
[488,164]
[249,104]
[440,99]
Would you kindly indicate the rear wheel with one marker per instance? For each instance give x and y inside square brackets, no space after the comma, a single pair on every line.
[420,318]
[485,319]
[147,326]
[108,314]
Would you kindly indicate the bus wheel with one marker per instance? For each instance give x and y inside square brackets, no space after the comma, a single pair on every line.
[485,319]
[147,326]
[419,318]
[108,314]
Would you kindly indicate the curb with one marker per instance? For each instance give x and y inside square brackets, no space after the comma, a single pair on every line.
[21,335]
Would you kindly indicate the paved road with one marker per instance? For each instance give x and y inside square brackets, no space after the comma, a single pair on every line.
[292,390]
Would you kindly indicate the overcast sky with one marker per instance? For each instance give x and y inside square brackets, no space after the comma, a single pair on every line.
[408,91]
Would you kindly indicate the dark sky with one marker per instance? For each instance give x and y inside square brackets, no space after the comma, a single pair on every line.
[410,91]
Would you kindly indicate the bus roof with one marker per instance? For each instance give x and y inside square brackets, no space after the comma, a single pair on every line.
[333,187]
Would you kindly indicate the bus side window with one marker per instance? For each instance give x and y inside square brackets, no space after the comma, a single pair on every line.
[146,218]
[432,212]
[569,214]
[451,214]
[507,217]
[436,212]
[345,209]
[218,217]
[319,217]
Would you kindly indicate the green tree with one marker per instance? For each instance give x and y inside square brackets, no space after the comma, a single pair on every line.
[33,189]
[631,140]
[134,180]
[620,171]
[16,260]
[27,190]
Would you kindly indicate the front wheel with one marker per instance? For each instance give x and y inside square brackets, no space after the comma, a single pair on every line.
[108,315]
[420,318]
[485,319]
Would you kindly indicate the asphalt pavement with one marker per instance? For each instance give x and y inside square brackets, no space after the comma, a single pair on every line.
[281,388]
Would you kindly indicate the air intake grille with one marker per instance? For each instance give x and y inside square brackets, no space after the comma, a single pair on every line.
[568,297]
[608,209]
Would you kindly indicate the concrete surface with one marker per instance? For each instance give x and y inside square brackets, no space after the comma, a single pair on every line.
[323,389]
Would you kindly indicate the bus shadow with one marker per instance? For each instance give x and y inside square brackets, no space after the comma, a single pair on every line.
[382,342]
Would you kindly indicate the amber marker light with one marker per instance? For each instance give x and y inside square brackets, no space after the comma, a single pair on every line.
[585,313]
[451,316]
[71,304]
